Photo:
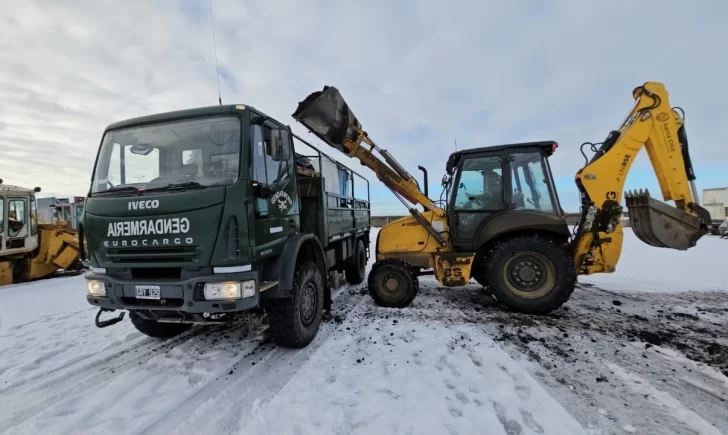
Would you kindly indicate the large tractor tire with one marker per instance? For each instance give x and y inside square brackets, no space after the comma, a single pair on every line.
[530,274]
[392,284]
[295,321]
[356,271]
[155,329]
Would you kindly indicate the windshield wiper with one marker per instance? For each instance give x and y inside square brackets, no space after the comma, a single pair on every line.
[178,186]
[117,189]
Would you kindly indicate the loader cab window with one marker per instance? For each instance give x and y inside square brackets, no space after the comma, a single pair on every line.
[480,185]
[530,183]
[33,216]
[2,215]
[17,218]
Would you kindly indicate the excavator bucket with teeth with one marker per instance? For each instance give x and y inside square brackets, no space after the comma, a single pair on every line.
[661,225]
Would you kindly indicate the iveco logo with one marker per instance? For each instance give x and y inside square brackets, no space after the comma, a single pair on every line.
[142,205]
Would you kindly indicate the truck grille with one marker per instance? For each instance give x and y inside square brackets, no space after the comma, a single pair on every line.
[178,254]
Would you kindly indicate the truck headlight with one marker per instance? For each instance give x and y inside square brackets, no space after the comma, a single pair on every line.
[248,289]
[96,287]
[229,290]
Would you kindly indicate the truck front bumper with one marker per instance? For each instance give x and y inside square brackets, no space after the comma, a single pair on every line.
[180,296]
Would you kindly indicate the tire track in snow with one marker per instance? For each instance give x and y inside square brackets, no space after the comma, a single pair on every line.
[35,397]
[250,387]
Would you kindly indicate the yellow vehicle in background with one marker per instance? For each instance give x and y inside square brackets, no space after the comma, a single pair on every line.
[29,250]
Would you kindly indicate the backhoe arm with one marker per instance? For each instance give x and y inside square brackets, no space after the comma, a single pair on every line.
[326,114]
[655,125]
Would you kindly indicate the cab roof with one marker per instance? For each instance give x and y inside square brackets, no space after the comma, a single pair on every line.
[178,114]
[9,189]
[547,146]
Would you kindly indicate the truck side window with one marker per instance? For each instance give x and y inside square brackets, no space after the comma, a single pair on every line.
[267,170]
[2,215]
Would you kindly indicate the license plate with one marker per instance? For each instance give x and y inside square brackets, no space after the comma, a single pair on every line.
[148,292]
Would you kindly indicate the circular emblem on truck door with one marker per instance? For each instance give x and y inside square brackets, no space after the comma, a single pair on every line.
[281,200]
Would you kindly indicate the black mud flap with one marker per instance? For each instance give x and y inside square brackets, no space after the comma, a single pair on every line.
[328,116]
[109,322]
[663,226]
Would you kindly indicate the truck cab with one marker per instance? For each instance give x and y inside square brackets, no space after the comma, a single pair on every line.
[200,215]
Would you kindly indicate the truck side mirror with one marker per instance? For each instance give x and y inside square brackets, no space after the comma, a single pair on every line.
[280,144]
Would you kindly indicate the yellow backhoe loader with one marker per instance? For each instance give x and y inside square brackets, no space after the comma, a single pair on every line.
[29,250]
[501,222]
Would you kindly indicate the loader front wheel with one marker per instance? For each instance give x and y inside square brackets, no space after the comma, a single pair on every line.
[392,284]
[530,274]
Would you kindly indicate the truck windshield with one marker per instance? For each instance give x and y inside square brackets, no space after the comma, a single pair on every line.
[190,153]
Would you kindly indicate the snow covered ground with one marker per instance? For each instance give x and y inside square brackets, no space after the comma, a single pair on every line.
[643,350]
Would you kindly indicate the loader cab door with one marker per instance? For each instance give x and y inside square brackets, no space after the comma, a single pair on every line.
[18,224]
[478,193]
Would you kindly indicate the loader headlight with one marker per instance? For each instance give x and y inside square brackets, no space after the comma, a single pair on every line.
[96,288]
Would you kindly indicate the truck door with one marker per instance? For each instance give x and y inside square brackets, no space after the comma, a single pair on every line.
[274,188]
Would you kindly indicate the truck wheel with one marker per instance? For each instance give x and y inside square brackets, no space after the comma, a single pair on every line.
[295,321]
[355,273]
[530,274]
[157,329]
[392,284]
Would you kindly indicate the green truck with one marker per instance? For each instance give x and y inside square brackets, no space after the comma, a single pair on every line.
[205,215]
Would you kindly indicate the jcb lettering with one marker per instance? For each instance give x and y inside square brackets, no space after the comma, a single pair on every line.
[143,205]
[454,272]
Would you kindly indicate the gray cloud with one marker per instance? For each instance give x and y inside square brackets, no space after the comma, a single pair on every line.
[484,73]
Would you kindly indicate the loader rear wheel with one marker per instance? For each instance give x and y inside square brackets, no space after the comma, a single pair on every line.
[155,329]
[530,274]
[356,271]
[392,284]
[295,321]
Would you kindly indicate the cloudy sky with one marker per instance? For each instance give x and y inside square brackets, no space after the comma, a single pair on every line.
[418,74]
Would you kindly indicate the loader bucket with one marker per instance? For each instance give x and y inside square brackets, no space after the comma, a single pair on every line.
[661,225]
[328,116]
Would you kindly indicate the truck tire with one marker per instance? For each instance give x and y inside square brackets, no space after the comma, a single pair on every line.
[392,283]
[530,274]
[295,321]
[356,272]
[157,329]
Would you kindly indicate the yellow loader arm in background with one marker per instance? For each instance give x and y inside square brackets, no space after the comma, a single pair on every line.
[321,113]
[654,124]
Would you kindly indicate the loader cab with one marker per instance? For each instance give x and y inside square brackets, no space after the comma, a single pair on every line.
[18,220]
[497,189]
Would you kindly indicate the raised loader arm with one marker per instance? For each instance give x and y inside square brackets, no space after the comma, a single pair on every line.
[654,124]
[326,114]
